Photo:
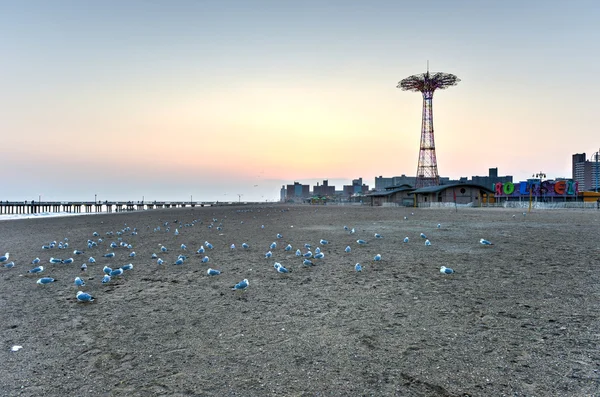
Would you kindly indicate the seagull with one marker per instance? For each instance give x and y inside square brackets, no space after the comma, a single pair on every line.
[9,265]
[213,272]
[132,254]
[35,261]
[105,279]
[79,282]
[200,250]
[377,258]
[205,259]
[208,245]
[84,297]
[347,249]
[160,261]
[307,262]
[127,267]
[179,261]
[361,242]
[106,270]
[346,228]
[45,280]
[154,256]
[109,255]
[116,272]
[288,247]
[279,235]
[176,232]
[307,246]
[183,247]
[113,245]
[35,270]
[317,250]
[45,247]
[268,254]
[439,225]
[92,260]
[307,255]
[242,285]
[405,239]
[427,243]
[273,245]
[163,248]
[324,242]
[245,246]
[320,255]
[55,260]
[280,268]
[423,235]
[232,246]
[78,252]
[485,242]
[298,252]
[358,267]
[352,231]
[446,270]
[377,235]
[67,261]
[83,267]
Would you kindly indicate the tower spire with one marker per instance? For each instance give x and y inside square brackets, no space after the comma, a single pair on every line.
[427,172]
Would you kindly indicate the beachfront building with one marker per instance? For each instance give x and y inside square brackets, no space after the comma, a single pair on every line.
[324,190]
[297,192]
[536,189]
[358,188]
[459,193]
[392,195]
[491,179]
[586,172]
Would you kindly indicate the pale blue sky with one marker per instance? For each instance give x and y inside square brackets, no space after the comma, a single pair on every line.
[168,99]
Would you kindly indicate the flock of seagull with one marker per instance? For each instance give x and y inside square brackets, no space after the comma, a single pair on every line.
[308,257]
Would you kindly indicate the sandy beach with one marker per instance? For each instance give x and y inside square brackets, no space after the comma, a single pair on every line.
[517,318]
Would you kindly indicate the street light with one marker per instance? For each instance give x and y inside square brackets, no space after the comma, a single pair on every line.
[540,175]
[239,197]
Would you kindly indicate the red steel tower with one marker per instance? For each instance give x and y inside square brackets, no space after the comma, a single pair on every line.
[427,172]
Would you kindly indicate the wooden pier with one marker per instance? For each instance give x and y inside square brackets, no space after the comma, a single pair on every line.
[89,207]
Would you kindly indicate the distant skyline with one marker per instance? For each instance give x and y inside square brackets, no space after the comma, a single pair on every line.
[213,99]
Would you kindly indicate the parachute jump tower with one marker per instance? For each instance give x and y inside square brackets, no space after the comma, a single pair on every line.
[427,172]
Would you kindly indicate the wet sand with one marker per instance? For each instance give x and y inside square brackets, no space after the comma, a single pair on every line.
[518,318]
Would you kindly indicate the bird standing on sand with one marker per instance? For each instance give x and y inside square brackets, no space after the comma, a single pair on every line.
[242,285]
[485,242]
[84,297]
[446,270]
[358,267]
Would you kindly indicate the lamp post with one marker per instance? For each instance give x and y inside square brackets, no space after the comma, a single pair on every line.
[540,175]
[240,197]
